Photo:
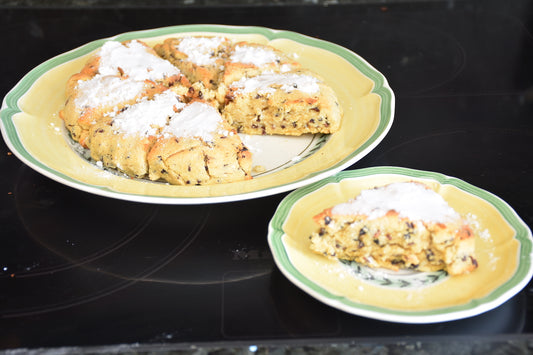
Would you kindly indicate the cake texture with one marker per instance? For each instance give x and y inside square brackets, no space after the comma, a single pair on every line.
[117,75]
[246,60]
[123,140]
[288,103]
[172,113]
[199,58]
[402,225]
[198,147]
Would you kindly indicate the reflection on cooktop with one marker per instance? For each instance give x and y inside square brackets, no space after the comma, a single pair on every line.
[429,50]
[81,247]
[480,151]
[293,314]
[85,271]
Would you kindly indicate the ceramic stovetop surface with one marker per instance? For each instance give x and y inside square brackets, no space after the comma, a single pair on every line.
[95,271]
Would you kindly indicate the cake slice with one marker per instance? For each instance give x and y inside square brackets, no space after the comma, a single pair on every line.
[403,225]
[200,58]
[197,147]
[246,60]
[136,60]
[123,140]
[95,98]
[115,76]
[289,103]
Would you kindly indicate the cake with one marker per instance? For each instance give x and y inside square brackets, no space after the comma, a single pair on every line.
[92,99]
[246,60]
[173,113]
[198,147]
[123,139]
[288,103]
[133,59]
[199,58]
[117,75]
[403,225]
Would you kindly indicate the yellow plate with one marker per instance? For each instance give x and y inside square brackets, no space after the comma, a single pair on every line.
[503,251]
[33,131]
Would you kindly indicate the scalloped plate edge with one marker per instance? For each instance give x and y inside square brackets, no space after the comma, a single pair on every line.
[511,287]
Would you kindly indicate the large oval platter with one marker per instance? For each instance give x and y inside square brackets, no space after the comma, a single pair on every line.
[503,250]
[34,132]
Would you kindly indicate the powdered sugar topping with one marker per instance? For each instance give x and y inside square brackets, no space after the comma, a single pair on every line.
[134,61]
[257,56]
[410,200]
[200,50]
[147,117]
[266,83]
[106,91]
[196,120]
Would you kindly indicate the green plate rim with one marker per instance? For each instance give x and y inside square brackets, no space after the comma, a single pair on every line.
[508,289]
[10,108]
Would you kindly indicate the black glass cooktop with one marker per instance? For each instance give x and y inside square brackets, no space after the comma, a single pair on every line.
[83,270]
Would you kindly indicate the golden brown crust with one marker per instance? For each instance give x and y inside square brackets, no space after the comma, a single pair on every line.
[187,161]
[126,153]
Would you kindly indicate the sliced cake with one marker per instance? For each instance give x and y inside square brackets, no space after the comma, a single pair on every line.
[289,103]
[403,225]
[198,147]
[200,58]
[246,60]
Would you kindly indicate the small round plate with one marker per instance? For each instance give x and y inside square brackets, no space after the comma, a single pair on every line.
[503,251]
